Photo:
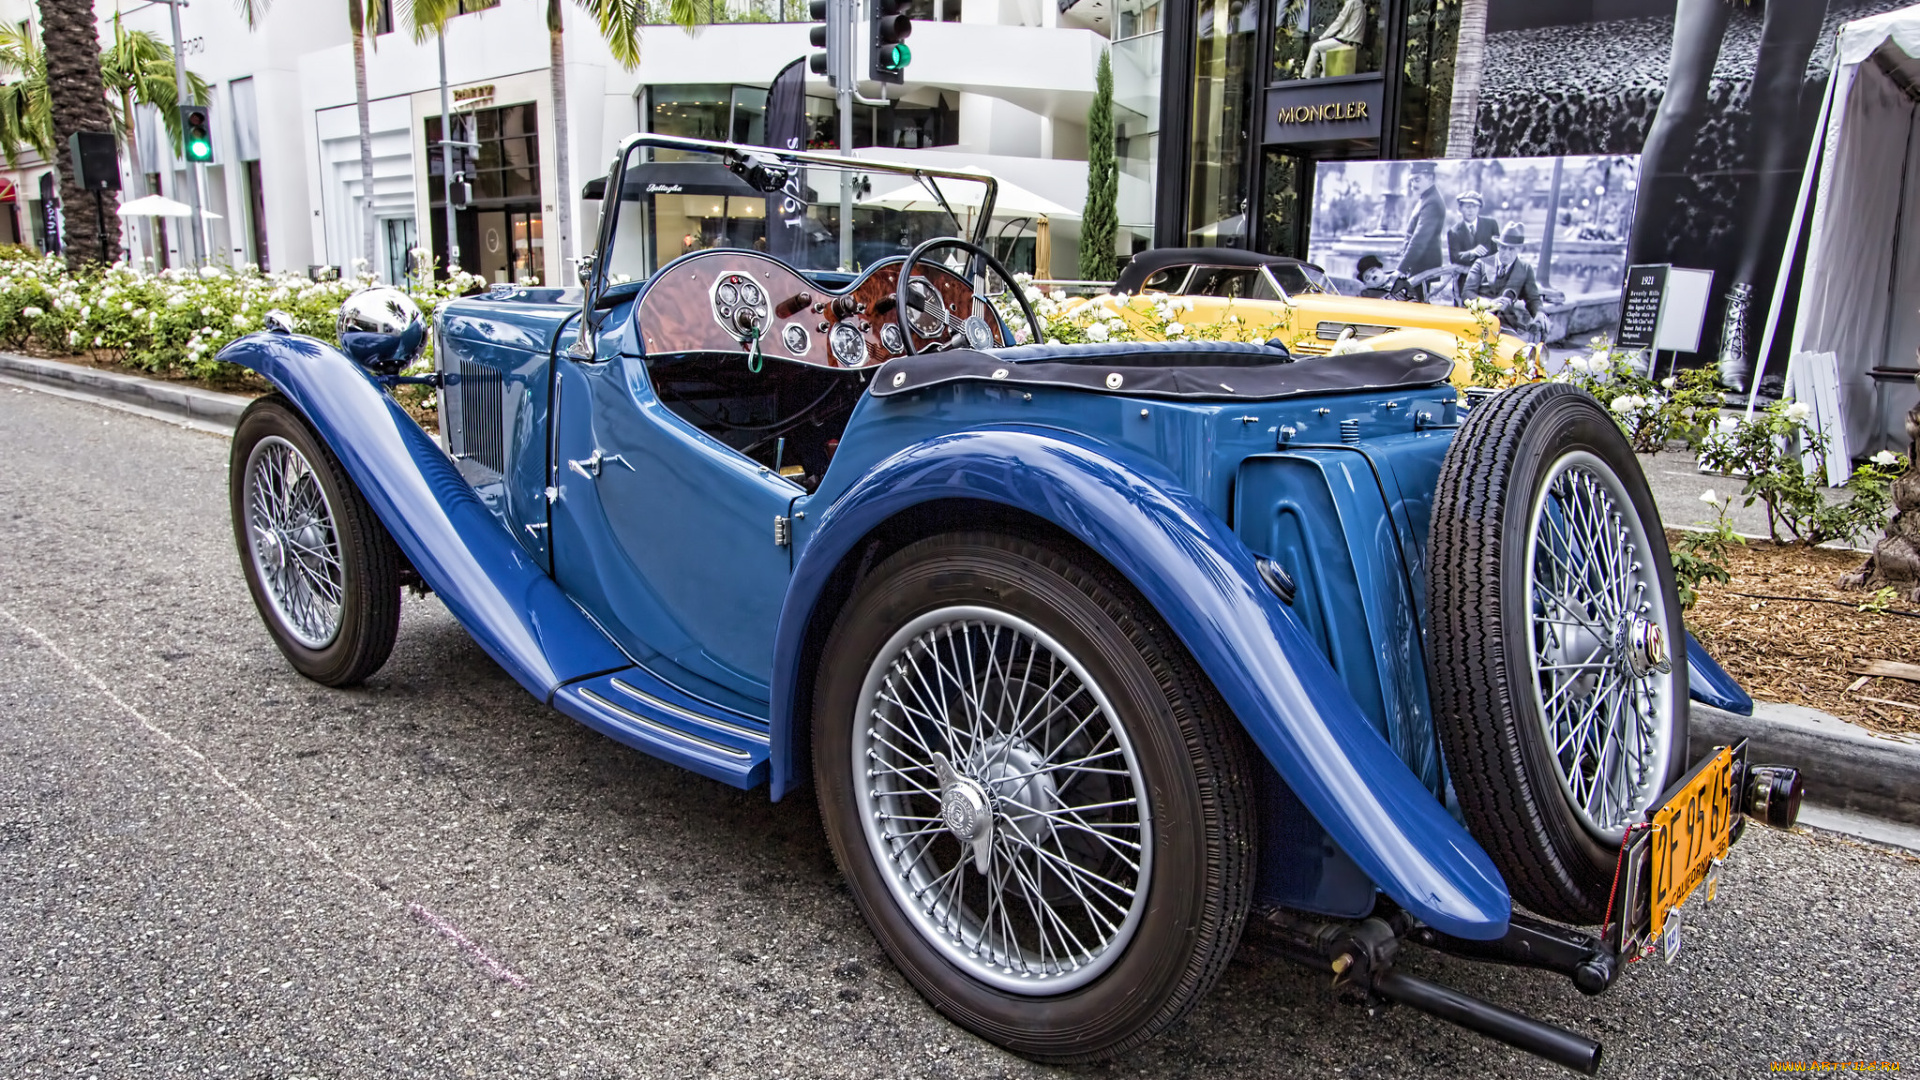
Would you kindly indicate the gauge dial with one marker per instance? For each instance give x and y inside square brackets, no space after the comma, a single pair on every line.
[892,339]
[848,344]
[795,338]
[925,310]
[729,293]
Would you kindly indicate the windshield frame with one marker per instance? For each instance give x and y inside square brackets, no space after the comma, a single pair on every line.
[593,268]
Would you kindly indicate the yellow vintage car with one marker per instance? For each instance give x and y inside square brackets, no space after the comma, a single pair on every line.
[1249,296]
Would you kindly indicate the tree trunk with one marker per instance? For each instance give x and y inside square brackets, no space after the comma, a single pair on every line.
[79,100]
[562,174]
[128,117]
[1469,62]
[358,15]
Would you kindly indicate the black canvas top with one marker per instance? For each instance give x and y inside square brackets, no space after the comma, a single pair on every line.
[1196,371]
[1145,264]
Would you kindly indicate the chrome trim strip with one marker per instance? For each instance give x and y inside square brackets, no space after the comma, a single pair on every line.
[688,714]
[629,714]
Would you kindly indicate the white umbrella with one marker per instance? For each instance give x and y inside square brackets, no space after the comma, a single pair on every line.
[160,206]
[1010,201]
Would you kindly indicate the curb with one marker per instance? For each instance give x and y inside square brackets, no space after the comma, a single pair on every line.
[204,407]
[1846,767]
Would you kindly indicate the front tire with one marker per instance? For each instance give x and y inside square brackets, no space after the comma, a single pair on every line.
[1039,802]
[323,571]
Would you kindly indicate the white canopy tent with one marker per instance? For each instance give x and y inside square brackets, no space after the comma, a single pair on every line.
[1860,299]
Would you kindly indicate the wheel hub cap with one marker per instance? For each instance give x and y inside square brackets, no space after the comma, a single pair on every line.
[1644,645]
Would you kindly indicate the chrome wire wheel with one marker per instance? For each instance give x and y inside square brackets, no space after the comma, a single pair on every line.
[1599,645]
[1002,800]
[294,542]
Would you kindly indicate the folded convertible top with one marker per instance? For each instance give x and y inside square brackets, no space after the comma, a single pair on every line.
[1194,371]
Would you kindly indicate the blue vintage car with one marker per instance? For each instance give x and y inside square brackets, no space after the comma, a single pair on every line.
[1094,654]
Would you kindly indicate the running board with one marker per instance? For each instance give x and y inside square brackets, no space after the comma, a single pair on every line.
[635,707]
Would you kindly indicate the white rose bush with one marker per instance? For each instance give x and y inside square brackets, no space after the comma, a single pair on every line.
[1146,316]
[1783,459]
[174,322]
[1653,414]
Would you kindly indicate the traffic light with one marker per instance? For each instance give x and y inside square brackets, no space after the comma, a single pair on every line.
[196,133]
[890,56]
[827,34]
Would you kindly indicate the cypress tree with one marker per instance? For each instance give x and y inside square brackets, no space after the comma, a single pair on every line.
[1100,221]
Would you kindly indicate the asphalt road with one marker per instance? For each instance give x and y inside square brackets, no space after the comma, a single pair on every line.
[209,866]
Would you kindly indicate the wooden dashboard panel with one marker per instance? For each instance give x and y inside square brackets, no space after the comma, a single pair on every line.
[682,310]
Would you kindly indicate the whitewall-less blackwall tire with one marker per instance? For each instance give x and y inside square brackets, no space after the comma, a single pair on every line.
[1041,806]
[323,571]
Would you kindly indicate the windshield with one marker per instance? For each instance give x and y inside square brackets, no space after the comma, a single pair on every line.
[790,206]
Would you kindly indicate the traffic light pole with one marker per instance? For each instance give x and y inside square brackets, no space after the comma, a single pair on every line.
[194,245]
[847,94]
[446,160]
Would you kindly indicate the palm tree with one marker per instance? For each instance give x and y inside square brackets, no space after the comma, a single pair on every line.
[1470,61]
[26,112]
[138,70]
[77,101]
[620,22]
[362,18]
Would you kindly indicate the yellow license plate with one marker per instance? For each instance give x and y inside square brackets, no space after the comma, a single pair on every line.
[1691,832]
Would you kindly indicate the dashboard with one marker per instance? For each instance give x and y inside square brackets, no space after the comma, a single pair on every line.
[722,301]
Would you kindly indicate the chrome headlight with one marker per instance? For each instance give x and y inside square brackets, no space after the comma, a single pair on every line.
[381,329]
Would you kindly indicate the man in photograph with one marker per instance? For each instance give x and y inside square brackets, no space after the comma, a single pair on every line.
[1508,282]
[1472,238]
[1425,228]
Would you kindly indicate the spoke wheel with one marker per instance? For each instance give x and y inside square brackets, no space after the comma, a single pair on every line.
[322,569]
[998,787]
[1039,802]
[293,542]
[1553,624]
[1600,652]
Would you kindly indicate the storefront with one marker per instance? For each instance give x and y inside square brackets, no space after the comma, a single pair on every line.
[1649,131]
[1257,93]
[501,229]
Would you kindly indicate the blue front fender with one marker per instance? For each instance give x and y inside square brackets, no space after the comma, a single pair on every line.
[1202,580]
[460,549]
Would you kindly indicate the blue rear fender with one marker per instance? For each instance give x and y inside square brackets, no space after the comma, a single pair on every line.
[1202,580]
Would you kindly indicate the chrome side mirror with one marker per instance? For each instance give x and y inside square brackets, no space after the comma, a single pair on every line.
[583,269]
[381,329]
[277,322]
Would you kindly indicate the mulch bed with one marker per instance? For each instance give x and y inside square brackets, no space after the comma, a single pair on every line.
[1801,650]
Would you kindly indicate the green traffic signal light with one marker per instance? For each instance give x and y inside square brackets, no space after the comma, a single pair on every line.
[196,134]
[896,57]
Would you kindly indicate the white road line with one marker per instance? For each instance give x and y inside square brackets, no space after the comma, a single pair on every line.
[493,967]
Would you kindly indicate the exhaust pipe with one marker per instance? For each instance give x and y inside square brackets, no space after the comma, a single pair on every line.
[1558,1045]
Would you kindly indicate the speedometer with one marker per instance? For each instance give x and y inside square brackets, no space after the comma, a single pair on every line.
[848,344]
[925,310]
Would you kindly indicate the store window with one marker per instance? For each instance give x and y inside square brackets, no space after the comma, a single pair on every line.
[721,112]
[500,229]
[1433,32]
[1321,39]
[1137,67]
[1224,44]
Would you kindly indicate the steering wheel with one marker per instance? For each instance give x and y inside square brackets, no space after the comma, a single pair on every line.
[903,297]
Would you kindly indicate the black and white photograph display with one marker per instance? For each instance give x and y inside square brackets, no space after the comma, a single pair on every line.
[1552,231]
[1720,98]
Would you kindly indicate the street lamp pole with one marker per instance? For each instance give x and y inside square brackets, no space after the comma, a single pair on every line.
[194,243]
[446,158]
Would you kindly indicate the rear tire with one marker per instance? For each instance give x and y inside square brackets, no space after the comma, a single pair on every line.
[1075,724]
[323,571]
[1560,702]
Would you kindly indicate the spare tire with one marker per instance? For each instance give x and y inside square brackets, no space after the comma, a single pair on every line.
[1553,621]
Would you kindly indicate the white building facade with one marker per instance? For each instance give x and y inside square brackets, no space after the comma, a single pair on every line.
[1003,85]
